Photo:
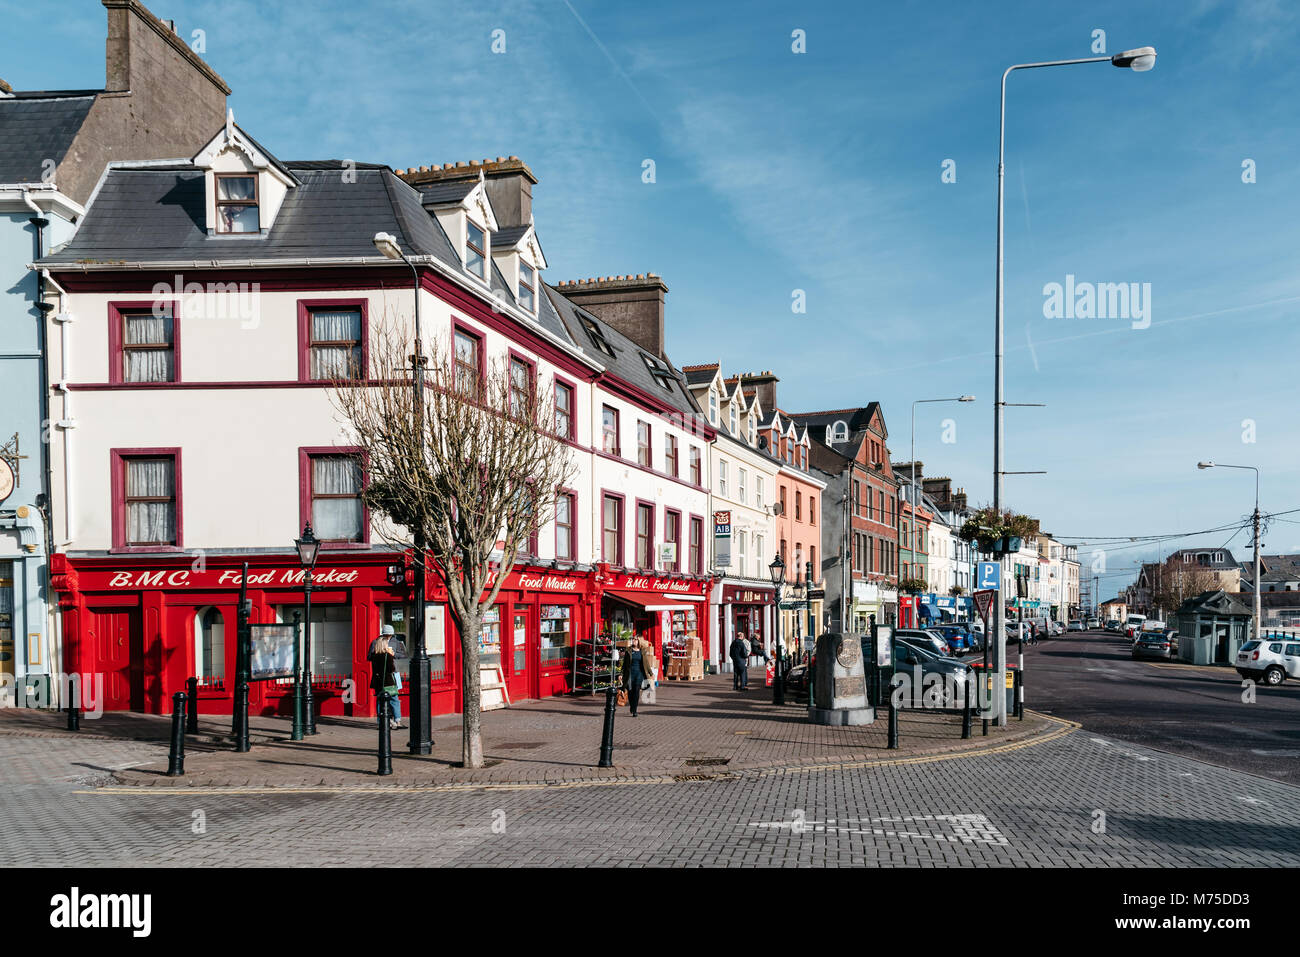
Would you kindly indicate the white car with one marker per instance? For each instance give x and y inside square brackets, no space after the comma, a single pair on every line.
[1094,623]
[1271,661]
[1076,625]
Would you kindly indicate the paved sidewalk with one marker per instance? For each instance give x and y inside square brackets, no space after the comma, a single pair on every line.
[697,731]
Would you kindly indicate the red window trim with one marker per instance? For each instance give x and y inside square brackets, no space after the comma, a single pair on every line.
[116,354]
[622,527]
[305,454]
[573,526]
[618,431]
[695,468]
[559,380]
[530,364]
[677,562]
[699,563]
[676,458]
[305,306]
[117,493]
[636,534]
[458,325]
[649,444]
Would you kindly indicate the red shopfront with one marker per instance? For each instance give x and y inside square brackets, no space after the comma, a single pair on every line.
[148,624]
[749,607]
[657,609]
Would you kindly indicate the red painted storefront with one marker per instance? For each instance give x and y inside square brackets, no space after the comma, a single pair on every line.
[141,620]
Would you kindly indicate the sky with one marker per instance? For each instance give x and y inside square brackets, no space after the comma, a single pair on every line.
[810,166]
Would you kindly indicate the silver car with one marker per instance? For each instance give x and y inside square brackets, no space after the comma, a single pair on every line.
[1271,661]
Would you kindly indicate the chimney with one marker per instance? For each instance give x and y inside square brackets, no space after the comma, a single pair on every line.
[508,180]
[141,52]
[634,305]
[764,386]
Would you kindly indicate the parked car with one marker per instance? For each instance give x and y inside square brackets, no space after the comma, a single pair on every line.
[953,674]
[1114,624]
[1154,644]
[959,637]
[1271,661]
[1150,626]
[924,639]
[1076,625]
[1093,623]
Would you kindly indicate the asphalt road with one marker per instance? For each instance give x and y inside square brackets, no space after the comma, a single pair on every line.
[1195,711]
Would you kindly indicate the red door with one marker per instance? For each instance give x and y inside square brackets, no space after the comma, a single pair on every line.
[119,646]
[515,658]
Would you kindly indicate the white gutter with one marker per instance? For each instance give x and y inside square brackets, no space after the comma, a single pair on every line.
[19,193]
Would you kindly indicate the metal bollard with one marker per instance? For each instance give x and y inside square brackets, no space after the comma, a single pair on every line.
[965,710]
[985,705]
[1020,695]
[192,718]
[385,739]
[176,757]
[241,717]
[893,725]
[607,733]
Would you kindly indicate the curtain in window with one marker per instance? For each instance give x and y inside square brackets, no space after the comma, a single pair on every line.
[151,521]
[235,187]
[148,365]
[342,358]
[336,518]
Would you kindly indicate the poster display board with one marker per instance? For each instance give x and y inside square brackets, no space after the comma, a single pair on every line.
[271,651]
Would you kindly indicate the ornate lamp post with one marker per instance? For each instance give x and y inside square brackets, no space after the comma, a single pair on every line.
[308,548]
[777,571]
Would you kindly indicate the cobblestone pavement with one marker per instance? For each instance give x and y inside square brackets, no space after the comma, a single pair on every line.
[1072,800]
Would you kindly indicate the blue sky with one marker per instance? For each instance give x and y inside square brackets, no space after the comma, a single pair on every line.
[821,171]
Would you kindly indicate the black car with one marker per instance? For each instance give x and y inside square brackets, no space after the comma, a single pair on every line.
[952,674]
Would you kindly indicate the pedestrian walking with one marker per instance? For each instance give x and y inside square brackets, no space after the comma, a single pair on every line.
[637,660]
[739,652]
[384,676]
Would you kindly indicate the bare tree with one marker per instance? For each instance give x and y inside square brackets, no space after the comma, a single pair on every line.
[1173,582]
[478,466]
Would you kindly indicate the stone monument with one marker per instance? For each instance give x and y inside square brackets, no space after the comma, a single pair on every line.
[840,683]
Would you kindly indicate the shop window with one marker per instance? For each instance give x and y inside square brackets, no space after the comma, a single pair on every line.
[331,638]
[489,637]
[557,633]
[209,644]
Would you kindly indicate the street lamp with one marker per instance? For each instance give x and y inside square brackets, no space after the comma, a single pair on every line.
[421,718]
[1255,522]
[777,571]
[308,547]
[1139,60]
[808,590]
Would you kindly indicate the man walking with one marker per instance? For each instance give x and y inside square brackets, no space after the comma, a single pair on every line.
[739,652]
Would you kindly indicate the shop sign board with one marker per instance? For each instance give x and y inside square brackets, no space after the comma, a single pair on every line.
[722,539]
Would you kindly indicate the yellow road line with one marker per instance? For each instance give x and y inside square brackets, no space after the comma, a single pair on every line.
[1066,727]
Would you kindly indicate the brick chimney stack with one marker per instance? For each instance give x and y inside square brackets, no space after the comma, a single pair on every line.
[508,179]
[634,305]
[764,386]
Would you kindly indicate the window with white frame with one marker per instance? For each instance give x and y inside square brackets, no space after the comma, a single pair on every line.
[758,490]
[722,476]
[527,287]
[740,482]
[475,250]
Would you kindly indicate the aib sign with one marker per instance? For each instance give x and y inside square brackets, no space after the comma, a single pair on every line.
[722,539]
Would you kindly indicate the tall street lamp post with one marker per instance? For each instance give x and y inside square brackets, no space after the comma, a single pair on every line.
[308,547]
[420,677]
[1139,60]
[1255,522]
[777,571]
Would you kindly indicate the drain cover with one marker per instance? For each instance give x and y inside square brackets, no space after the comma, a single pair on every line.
[707,762]
[518,746]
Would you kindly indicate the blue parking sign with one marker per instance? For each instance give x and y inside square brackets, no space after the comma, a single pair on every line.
[990,575]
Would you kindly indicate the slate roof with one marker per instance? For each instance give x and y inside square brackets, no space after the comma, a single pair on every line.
[508,236]
[37,127]
[627,362]
[700,375]
[444,193]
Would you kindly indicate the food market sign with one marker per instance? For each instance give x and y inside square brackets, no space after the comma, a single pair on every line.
[194,578]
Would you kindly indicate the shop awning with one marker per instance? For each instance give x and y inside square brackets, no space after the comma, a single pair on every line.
[654,601]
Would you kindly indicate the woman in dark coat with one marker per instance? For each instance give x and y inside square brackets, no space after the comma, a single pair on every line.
[636,670]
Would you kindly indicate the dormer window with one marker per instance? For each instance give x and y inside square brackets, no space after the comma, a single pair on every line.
[237,210]
[527,287]
[662,374]
[597,337]
[713,407]
[735,422]
[475,250]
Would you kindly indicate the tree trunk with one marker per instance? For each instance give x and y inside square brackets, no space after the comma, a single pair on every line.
[471,735]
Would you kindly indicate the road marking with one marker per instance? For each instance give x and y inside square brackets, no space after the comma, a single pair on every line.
[1121,750]
[954,828]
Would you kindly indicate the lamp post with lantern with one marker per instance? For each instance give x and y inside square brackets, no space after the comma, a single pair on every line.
[777,571]
[308,548]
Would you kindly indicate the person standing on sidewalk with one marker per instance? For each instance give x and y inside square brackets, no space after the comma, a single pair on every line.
[636,669]
[385,677]
[739,652]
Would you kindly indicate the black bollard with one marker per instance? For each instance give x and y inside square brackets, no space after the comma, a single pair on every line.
[893,725]
[241,717]
[984,705]
[176,758]
[192,718]
[1020,694]
[385,741]
[965,710]
[607,734]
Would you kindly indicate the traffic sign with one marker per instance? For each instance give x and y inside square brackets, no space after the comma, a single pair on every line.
[990,576]
[984,603]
